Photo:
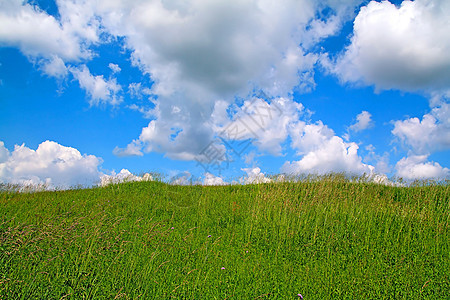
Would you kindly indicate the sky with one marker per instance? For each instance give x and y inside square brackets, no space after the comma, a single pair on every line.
[221,91]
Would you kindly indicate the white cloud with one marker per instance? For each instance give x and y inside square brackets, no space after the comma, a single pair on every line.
[363,122]
[266,123]
[132,149]
[202,52]
[123,176]
[405,47]
[177,140]
[4,153]
[100,91]
[50,164]
[250,158]
[54,66]
[318,29]
[382,179]
[381,162]
[39,35]
[210,179]
[136,90]
[114,68]
[198,53]
[217,47]
[335,155]
[323,152]
[430,134]
[309,137]
[417,167]
[183,178]
[146,111]
[254,175]
[80,18]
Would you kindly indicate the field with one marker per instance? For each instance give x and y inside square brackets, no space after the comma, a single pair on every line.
[323,238]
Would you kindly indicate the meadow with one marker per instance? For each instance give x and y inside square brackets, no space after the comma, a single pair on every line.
[318,238]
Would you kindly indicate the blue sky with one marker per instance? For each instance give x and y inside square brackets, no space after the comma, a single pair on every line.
[223,91]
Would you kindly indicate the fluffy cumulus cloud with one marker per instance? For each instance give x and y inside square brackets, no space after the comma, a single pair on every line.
[51,164]
[323,152]
[183,178]
[4,153]
[404,47]
[363,122]
[214,47]
[177,140]
[123,176]
[55,67]
[100,91]
[196,52]
[58,44]
[133,149]
[211,179]
[201,52]
[38,34]
[264,122]
[45,39]
[254,175]
[417,167]
[398,47]
[202,55]
[422,137]
[431,133]
[114,68]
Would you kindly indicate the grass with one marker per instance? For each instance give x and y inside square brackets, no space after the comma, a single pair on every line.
[325,238]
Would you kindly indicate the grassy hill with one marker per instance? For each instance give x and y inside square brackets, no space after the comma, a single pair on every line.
[324,239]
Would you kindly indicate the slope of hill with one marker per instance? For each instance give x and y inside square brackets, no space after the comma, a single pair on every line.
[322,239]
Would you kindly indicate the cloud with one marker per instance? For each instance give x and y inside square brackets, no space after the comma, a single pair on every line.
[405,47]
[196,52]
[254,175]
[266,123]
[309,137]
[323,152]
[54,67]
[334,156]
[216,47]
[363,122]
[39,35]
[177,140]
[263,123]
[318,29]
[183,178]
[4,153]
[136,90]
[382,179]
[53,166]
[50,164]
[417,167]
[100,91]
[425,136]
[250,158]
[210,179]
[133,149]
[123,176]
[199,53]
[114,68]
[381,162]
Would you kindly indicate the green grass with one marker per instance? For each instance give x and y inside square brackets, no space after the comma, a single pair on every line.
[325,239]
